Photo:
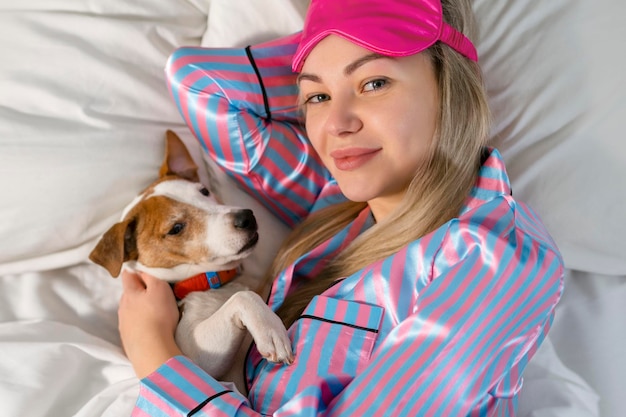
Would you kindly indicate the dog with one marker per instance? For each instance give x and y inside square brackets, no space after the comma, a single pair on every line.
[177,231]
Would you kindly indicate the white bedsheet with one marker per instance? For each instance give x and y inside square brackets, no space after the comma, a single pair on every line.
[59,350]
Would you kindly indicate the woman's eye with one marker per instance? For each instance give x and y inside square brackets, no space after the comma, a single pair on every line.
[317,98]
[374,85]
[205,191]
[176,229]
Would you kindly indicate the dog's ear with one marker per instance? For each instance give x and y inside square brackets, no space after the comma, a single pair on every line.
[178,161]
[116,246]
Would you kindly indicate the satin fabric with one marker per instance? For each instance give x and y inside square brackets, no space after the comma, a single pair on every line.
[390,28]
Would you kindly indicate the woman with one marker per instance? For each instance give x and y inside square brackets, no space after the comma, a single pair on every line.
[413,283]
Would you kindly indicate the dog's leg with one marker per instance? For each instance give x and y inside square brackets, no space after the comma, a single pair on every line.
[267,329]
[215,340]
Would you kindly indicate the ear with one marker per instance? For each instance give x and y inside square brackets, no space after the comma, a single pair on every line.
[178,161]
[116,246]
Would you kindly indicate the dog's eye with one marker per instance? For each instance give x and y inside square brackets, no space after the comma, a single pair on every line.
[176,229]
[205,191]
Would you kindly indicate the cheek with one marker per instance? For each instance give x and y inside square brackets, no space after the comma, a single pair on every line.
[418,129]
[409,143]
[314,132]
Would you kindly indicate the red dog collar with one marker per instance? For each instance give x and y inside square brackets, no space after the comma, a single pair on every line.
[203,282]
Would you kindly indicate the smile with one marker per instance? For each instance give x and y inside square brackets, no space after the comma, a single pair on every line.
[352,158]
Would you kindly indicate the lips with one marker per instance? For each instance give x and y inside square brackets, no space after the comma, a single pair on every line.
[352,158]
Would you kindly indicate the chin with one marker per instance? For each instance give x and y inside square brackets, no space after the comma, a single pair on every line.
[359,193]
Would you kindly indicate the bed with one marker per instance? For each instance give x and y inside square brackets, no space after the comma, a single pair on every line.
[83,111]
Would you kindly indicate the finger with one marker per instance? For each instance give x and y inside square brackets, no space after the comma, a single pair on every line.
[156,285]
[131,281]
[153,283]
[150,280]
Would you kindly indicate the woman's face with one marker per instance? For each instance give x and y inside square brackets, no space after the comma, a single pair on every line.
[371,118]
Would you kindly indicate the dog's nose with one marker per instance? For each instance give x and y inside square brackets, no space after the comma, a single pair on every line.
[244,219]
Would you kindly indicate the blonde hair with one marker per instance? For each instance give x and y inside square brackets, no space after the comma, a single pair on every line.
[436,193]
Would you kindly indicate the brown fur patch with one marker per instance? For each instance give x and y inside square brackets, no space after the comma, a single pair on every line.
[155,217]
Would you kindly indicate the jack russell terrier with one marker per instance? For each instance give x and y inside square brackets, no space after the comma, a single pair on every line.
[178,232]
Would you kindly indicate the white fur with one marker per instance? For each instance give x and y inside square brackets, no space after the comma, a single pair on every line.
[214,325]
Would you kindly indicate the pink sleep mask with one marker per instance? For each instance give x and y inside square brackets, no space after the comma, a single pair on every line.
[388,27]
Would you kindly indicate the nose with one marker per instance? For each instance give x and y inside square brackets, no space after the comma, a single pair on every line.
[342,118]
[244,219]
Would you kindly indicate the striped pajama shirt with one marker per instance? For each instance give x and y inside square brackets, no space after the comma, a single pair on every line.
[444,327]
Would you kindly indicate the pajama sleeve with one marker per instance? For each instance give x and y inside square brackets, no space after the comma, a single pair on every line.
[242,105]
[181,388]
[477,321]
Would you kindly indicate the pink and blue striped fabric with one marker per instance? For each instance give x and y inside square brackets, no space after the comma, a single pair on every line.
[218,93]
[444,327]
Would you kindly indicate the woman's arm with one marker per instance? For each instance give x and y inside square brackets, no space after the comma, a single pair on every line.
[241,104]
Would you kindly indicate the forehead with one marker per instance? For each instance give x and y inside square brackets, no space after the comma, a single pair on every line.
[335,57]
[176,191]
[331,51]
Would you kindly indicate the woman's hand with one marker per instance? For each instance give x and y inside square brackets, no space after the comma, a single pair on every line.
[148,316]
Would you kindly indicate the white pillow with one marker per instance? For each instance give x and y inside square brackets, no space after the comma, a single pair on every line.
[243,22]
[84,108]
[555,76]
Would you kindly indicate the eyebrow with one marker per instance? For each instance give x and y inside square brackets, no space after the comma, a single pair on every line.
[361,61]
[349,69]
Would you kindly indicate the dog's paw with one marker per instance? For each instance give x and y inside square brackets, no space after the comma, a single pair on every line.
[272,340]
[275,346]
[265,326]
